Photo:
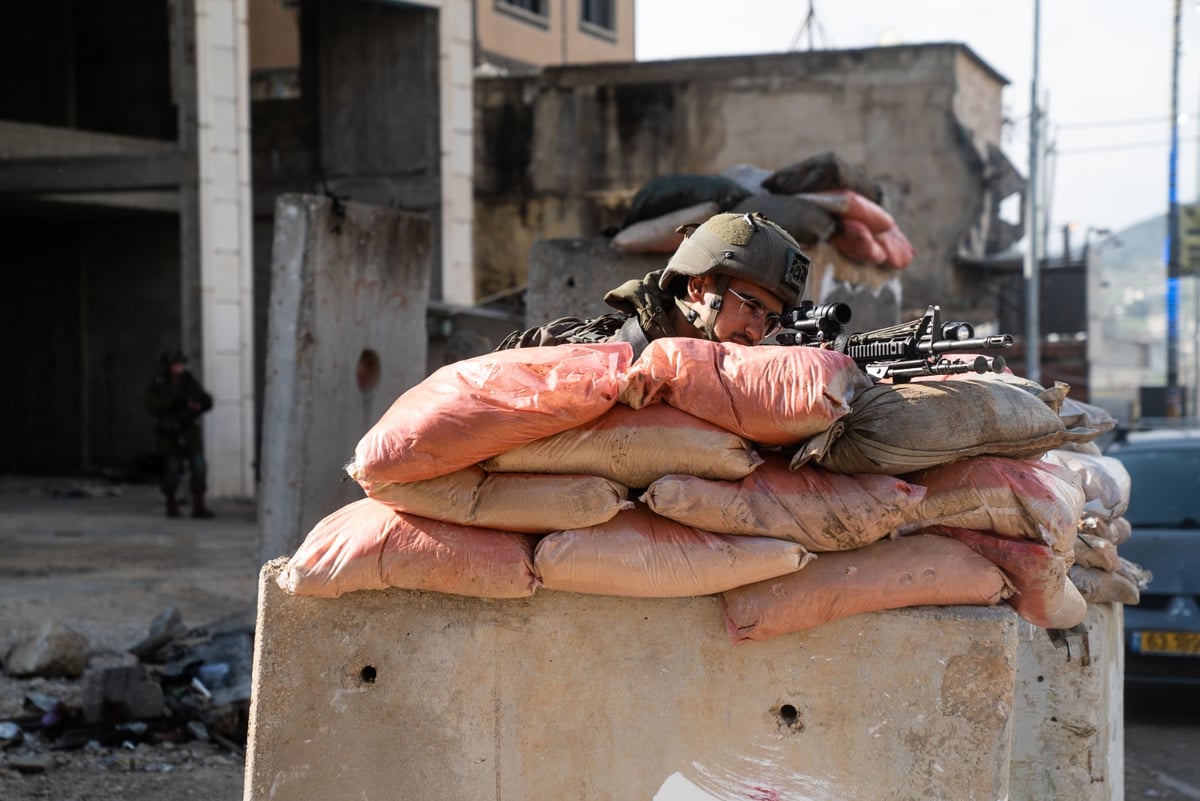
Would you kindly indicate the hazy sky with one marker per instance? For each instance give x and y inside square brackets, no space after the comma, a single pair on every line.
[1105,78]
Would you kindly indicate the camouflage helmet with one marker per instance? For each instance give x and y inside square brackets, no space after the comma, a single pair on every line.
[745,246]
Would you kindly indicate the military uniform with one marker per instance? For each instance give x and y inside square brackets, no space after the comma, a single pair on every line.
[642,316]
[177,401]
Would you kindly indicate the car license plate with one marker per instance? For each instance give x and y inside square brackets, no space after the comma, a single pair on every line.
[1167,642]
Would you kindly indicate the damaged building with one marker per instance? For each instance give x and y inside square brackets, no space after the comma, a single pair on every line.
[143,153]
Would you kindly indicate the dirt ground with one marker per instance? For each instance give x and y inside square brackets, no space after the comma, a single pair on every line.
[102,559]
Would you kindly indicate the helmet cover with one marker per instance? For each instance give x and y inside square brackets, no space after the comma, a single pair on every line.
[745,246]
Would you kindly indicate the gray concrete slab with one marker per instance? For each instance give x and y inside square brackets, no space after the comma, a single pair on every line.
[346,337]
[1068,737]
[408,695]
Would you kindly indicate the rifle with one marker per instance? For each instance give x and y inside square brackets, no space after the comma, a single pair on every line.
[900,352]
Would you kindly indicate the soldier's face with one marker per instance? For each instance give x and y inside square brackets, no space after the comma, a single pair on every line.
[748,312]
[178,368]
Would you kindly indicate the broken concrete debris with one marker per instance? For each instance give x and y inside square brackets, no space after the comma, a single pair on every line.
[189,685]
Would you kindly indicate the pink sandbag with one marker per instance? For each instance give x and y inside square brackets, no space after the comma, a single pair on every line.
[366,545]
[642,555]
[657,234]
[1036,501]
[1045,595]
[820,510]
[898,251]
[476,408]
[769,395]
[854,240]
[851,205]
[919,570]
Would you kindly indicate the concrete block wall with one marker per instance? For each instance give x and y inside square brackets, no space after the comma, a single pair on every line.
[409,695]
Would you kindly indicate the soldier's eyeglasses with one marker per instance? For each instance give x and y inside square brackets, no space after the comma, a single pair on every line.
[757,311]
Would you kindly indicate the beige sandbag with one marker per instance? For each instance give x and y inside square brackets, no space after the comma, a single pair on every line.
[918,570]
[897,429]
[1140,576]
[1037,501]
[1097,553]
[1116,531]
[529,503]
[657,234]
[366,545]
[1077,413]
[768,395]
[1106,482]
[1044,593]
[470,410]
[1103,586]
[634,447]
[1081,447]
[642,555]
[820,510]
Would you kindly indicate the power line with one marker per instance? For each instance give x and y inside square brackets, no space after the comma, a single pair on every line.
[1074,151]
[1163,120]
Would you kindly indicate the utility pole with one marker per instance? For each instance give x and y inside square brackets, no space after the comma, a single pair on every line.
[1174,394]
[1033,357]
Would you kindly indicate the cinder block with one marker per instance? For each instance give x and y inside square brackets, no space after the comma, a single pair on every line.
[1068,734]
[408,695]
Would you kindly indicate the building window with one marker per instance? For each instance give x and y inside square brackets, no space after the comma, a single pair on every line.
[532,11]
[599,14]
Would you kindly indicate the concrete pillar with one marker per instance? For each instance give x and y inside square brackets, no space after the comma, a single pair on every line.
[225,243]
[409,695]
[456,34]
[346,336]
[1068,733]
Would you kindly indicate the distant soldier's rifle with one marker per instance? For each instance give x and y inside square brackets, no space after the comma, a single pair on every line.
[899,352]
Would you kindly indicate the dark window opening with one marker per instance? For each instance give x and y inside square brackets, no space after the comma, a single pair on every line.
[535,11]
[601,13]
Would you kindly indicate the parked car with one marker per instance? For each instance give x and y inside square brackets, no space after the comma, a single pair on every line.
[1162,632]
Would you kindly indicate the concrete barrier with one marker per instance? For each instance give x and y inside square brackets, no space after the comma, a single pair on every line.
[1068,730]
[416,696]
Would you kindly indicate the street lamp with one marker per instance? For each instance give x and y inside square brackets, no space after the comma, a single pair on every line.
[1107,233]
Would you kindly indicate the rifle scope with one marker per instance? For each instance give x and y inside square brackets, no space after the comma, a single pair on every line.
[828,318]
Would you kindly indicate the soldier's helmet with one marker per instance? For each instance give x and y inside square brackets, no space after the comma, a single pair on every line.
[746,246]
[170,357]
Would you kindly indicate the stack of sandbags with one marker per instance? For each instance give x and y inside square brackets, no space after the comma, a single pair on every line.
[692,471]
[530,447]
[821,199]
[864,231]
[667,202]
[970,446]
[1099,572]
[435,506]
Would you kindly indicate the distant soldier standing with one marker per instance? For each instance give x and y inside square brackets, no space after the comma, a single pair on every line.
[176,399]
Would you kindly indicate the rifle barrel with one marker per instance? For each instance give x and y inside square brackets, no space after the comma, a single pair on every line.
[975,343]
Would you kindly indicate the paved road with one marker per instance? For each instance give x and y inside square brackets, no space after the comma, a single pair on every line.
[1162,744]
